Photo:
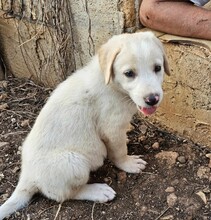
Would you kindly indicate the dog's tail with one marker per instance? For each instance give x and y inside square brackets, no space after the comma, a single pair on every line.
[20,198]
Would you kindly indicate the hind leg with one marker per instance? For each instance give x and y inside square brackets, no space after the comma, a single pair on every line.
[65,176]
[96,192]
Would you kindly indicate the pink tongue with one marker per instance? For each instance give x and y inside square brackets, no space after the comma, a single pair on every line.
[148,111]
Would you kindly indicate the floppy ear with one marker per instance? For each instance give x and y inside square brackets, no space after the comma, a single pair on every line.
[165,62]
[107,54]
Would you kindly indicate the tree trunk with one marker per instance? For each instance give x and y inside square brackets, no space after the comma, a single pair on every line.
[47,40]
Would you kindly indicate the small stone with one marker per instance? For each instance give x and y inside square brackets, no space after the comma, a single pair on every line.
[143,129]
[170,189]
[171,199]
[142,138]
[181,159]
[175,182]
[202,196]
[13,120]
[156,145]
[122,176]
[203,172]
[25,123]
[167,156]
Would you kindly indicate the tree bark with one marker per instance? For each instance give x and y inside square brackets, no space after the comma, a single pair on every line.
[46,40]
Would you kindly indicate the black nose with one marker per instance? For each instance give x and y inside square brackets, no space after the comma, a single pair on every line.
[152,99]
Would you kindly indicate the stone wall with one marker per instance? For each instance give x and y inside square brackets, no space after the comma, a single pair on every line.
[186,108]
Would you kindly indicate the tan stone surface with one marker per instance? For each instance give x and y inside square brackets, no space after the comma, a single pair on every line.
[186,108]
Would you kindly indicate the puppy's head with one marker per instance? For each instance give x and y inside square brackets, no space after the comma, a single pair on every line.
[136,63]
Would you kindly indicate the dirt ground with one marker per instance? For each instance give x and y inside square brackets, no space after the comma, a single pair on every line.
[175,185]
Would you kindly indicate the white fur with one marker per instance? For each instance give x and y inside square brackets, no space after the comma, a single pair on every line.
[85,120]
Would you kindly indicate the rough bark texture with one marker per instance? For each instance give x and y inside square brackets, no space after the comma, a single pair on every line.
[37,39]
[47,40]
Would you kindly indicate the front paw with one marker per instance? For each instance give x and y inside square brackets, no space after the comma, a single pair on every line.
[131,164]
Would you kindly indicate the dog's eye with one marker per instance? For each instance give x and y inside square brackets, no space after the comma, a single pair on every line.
[129,74]
[157,68]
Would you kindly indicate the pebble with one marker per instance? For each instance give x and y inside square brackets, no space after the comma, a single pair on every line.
[13,120]
[122,176]
[25,123]
[181,159]
[143,129]
[202,196]
[156,145]
[170,189]
[171,199]
[168,157]
[203,172]
[142,138]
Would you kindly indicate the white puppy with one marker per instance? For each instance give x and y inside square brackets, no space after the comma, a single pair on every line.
[85,120]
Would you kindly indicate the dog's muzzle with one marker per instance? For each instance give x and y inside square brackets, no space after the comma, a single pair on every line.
[151,100]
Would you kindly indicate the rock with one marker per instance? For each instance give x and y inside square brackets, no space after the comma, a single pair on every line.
[171,199]
[13,120]
[3,144]
[167,156]
[181,159]
[142,138]
[156,145]
[170,189]
[202,196]
[143,129]
[203,172]
[122,176]
[25,123]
